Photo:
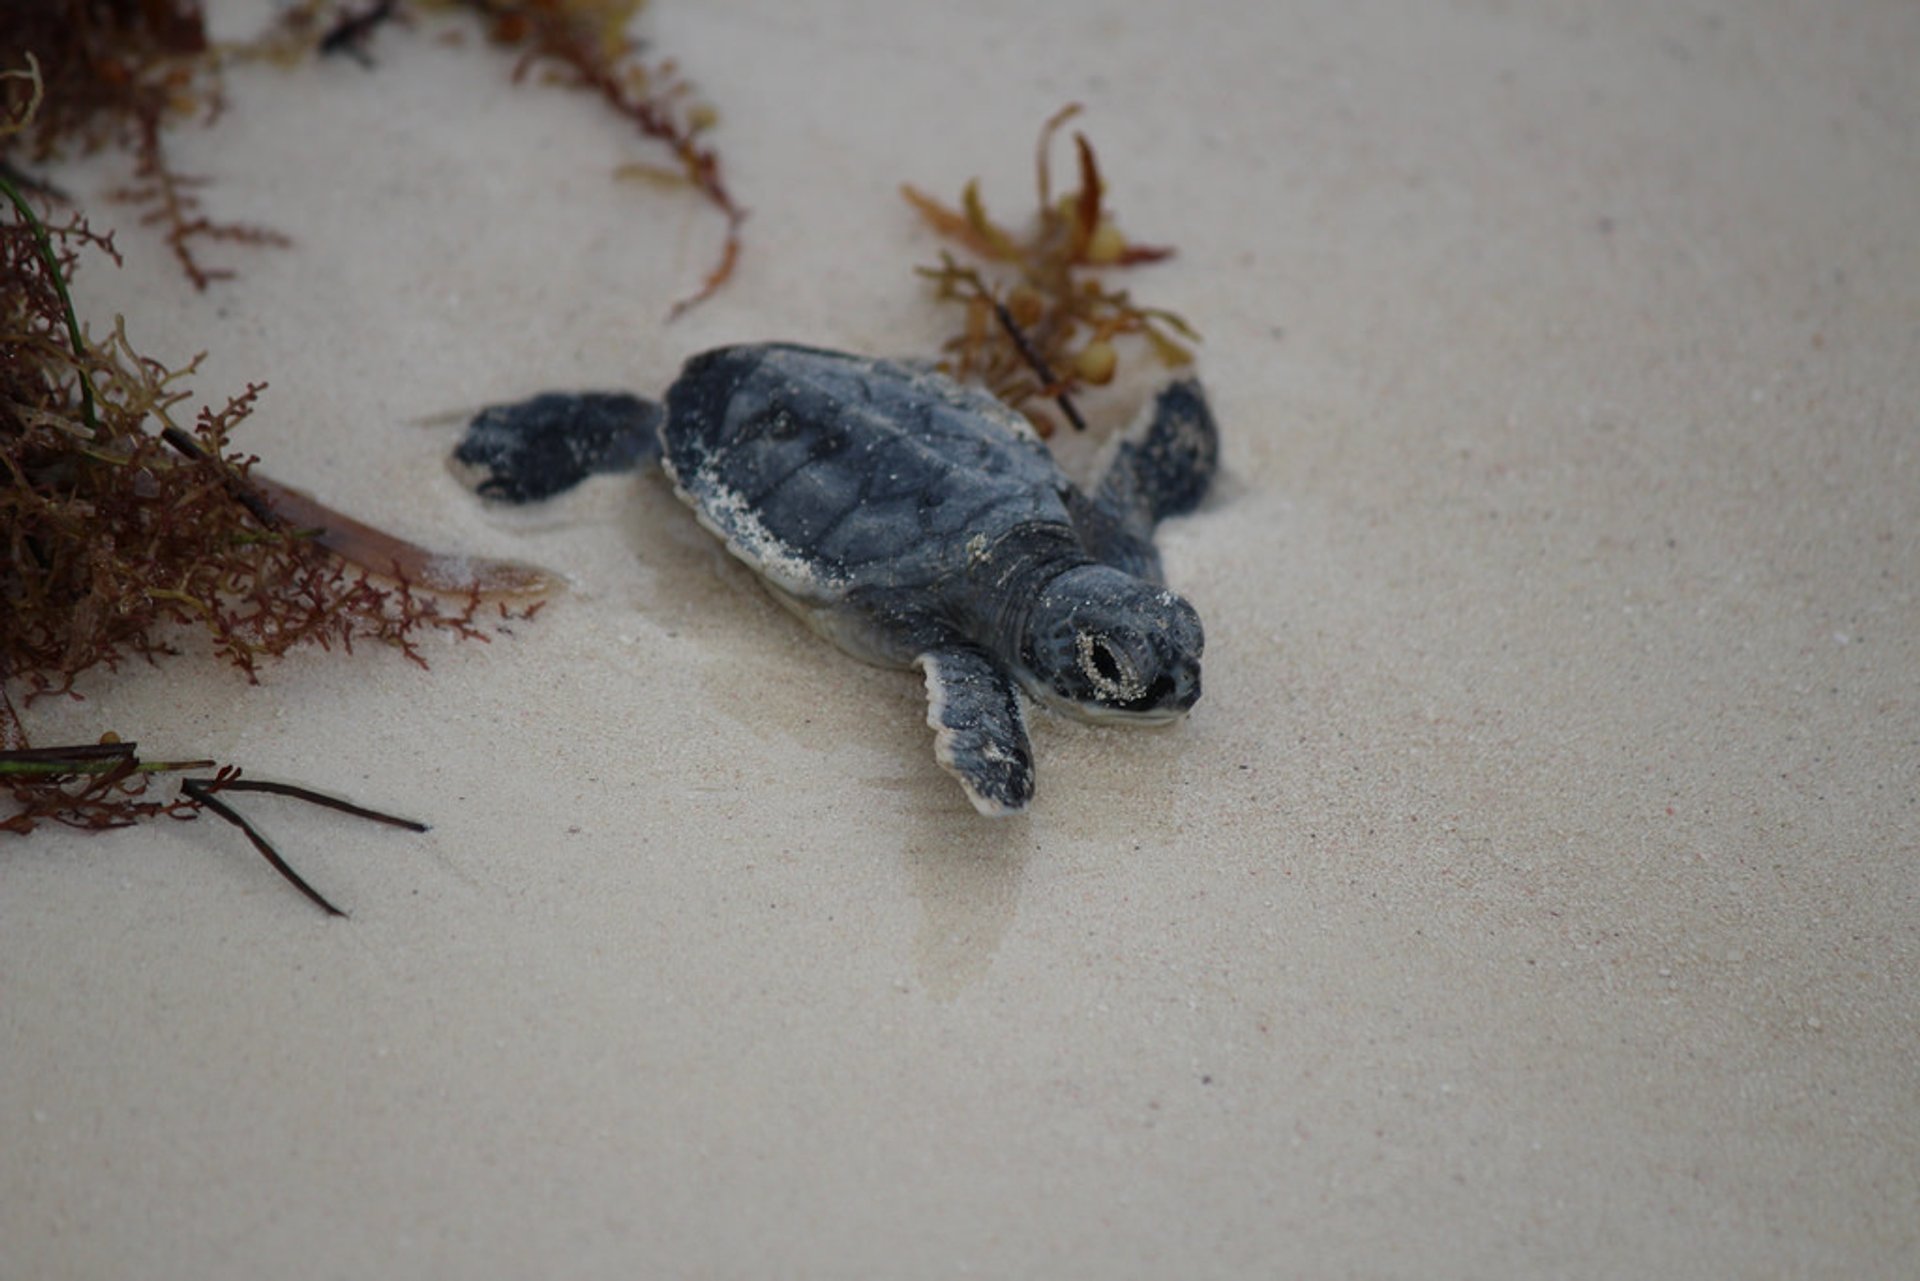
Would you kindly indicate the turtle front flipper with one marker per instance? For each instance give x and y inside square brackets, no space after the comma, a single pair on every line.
[980,729]
[1162,466]
[537,448]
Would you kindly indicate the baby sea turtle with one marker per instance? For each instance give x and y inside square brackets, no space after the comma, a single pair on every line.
[913,521]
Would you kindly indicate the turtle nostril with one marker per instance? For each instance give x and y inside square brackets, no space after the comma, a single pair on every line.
[1158,693]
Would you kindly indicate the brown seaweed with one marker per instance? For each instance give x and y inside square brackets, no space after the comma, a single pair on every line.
[116,73]
[1039,323]
[125,529]
[95,786]
[581,44]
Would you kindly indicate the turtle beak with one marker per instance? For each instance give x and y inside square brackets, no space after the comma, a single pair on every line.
[1177,688]
[1173,693]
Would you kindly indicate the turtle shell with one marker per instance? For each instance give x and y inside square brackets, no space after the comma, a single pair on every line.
[831,473]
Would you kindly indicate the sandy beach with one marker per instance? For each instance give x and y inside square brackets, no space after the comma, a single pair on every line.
[1534,893]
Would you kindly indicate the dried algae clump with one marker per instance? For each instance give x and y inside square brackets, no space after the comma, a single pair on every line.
[114,73]
[580,44]
[585,43]
[124,529]
[118,72]
[119,520]
[1045,325]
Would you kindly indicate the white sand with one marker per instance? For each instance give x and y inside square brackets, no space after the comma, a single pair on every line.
[1533,894]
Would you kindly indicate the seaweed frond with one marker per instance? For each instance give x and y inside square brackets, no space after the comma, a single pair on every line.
[115,73]
[579,44]
[100,786]
[118,72]
[92,786]
[585,43]
[1044,326]
[122,525]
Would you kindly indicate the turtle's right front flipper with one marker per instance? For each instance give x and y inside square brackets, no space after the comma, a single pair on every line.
[980,730]
[1162,466]
[537,448]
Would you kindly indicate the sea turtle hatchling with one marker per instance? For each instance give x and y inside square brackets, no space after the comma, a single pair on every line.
[915,522]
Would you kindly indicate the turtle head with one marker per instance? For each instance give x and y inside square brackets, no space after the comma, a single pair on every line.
[1103,645]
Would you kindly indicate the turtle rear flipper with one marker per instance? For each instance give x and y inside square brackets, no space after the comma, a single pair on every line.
[980,730]
[534,449]
[1162,466]
[1167,470]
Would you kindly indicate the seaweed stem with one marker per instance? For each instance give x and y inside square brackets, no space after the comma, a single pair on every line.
[201,790]
[87,758]
[311,797]
[239,490]
[1038,363]
[44,247]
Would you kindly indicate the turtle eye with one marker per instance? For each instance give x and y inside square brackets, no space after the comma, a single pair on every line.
[1107,669]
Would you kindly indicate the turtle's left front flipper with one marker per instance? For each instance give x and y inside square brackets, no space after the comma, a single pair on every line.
[1162,466]
[980,729]
[534,449]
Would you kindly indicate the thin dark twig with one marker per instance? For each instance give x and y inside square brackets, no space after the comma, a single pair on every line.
[1037,362]
[242,494]
[201,790]
[318,798]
